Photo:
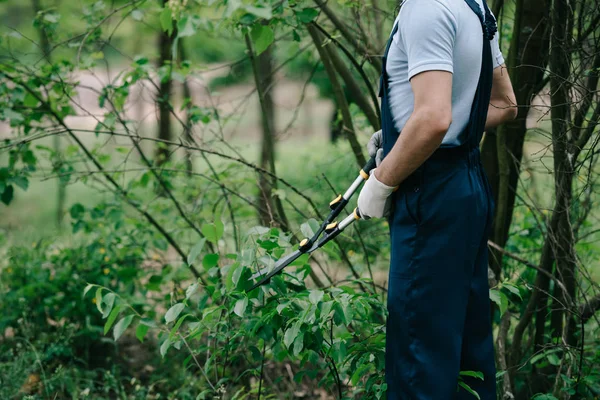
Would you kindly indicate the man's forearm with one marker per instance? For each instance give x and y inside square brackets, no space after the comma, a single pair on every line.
[500,113]
[420,137]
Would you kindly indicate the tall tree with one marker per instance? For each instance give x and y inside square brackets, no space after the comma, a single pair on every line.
[61,193]
[262,66]
[503,149]
[165,46]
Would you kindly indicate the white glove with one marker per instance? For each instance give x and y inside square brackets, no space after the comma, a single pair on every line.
[375,147]
[374,200]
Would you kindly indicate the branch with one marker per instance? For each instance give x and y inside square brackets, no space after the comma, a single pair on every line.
[355,90]
[97,164]
[527,264]
[365,50]
[501,356]
[113,12]
[589,308]
[339,94]
[581,112]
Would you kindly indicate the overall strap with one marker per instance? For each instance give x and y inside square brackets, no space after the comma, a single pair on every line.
[481,101]
[383,80]
[488,24]
[390,133]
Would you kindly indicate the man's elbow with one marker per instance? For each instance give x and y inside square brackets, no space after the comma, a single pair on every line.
[435,122]
[510,106]
[511,112]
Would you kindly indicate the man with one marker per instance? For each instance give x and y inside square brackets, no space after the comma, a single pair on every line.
[443,83]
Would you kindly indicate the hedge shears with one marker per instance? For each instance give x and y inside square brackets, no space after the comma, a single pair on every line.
[329,229]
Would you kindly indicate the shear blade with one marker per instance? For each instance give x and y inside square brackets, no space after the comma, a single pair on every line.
[280,265]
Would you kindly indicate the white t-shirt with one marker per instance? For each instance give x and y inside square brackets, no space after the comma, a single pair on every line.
[441,35]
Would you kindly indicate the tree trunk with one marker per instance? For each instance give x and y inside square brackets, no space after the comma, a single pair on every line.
[272,211]
[559,243]
[61,193]
[188,102]
[526,62]
[566,259]
[267,149]
[165,44]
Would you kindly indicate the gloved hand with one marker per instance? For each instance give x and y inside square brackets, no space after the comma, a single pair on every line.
[375,147]
[374,200]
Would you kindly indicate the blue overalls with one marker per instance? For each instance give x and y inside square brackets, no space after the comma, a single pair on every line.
[438,301]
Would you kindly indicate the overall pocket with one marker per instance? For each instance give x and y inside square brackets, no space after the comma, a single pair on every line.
[412,195]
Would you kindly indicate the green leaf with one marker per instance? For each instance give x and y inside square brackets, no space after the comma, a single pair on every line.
[536,358]
[474,374]
[7,194]
[174,312]
[212,232]
[309,228]
[553,359]
[99,300]
[513,289]
[281,307]
[166,20]
[186,27]
[141,331]
[112,318]
[326,310]
[87,289]
[302,260]
[291,333]
[220,228]
[210,260]
[500,299]
[359,373]
[307,15]
[30,101]
[109,301]
[279,193]
[164,347]
[178,325]
[189,292]
[315,296]
[233,276]
[339,351]
[21,182]
[14,117]
[262,37]
[257,230]
[298,344]
[195,252]
[51,17]
[122,325]
[468,389]
[137,15]
[240,307]
[148,322]
[77,211]
[259,11]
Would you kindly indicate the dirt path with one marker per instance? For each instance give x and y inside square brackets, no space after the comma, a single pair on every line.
[237,106]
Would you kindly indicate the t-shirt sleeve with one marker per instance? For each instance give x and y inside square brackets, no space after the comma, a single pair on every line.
[497,57]
[427,29]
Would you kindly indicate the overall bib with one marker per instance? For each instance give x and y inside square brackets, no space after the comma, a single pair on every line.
[438,301]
